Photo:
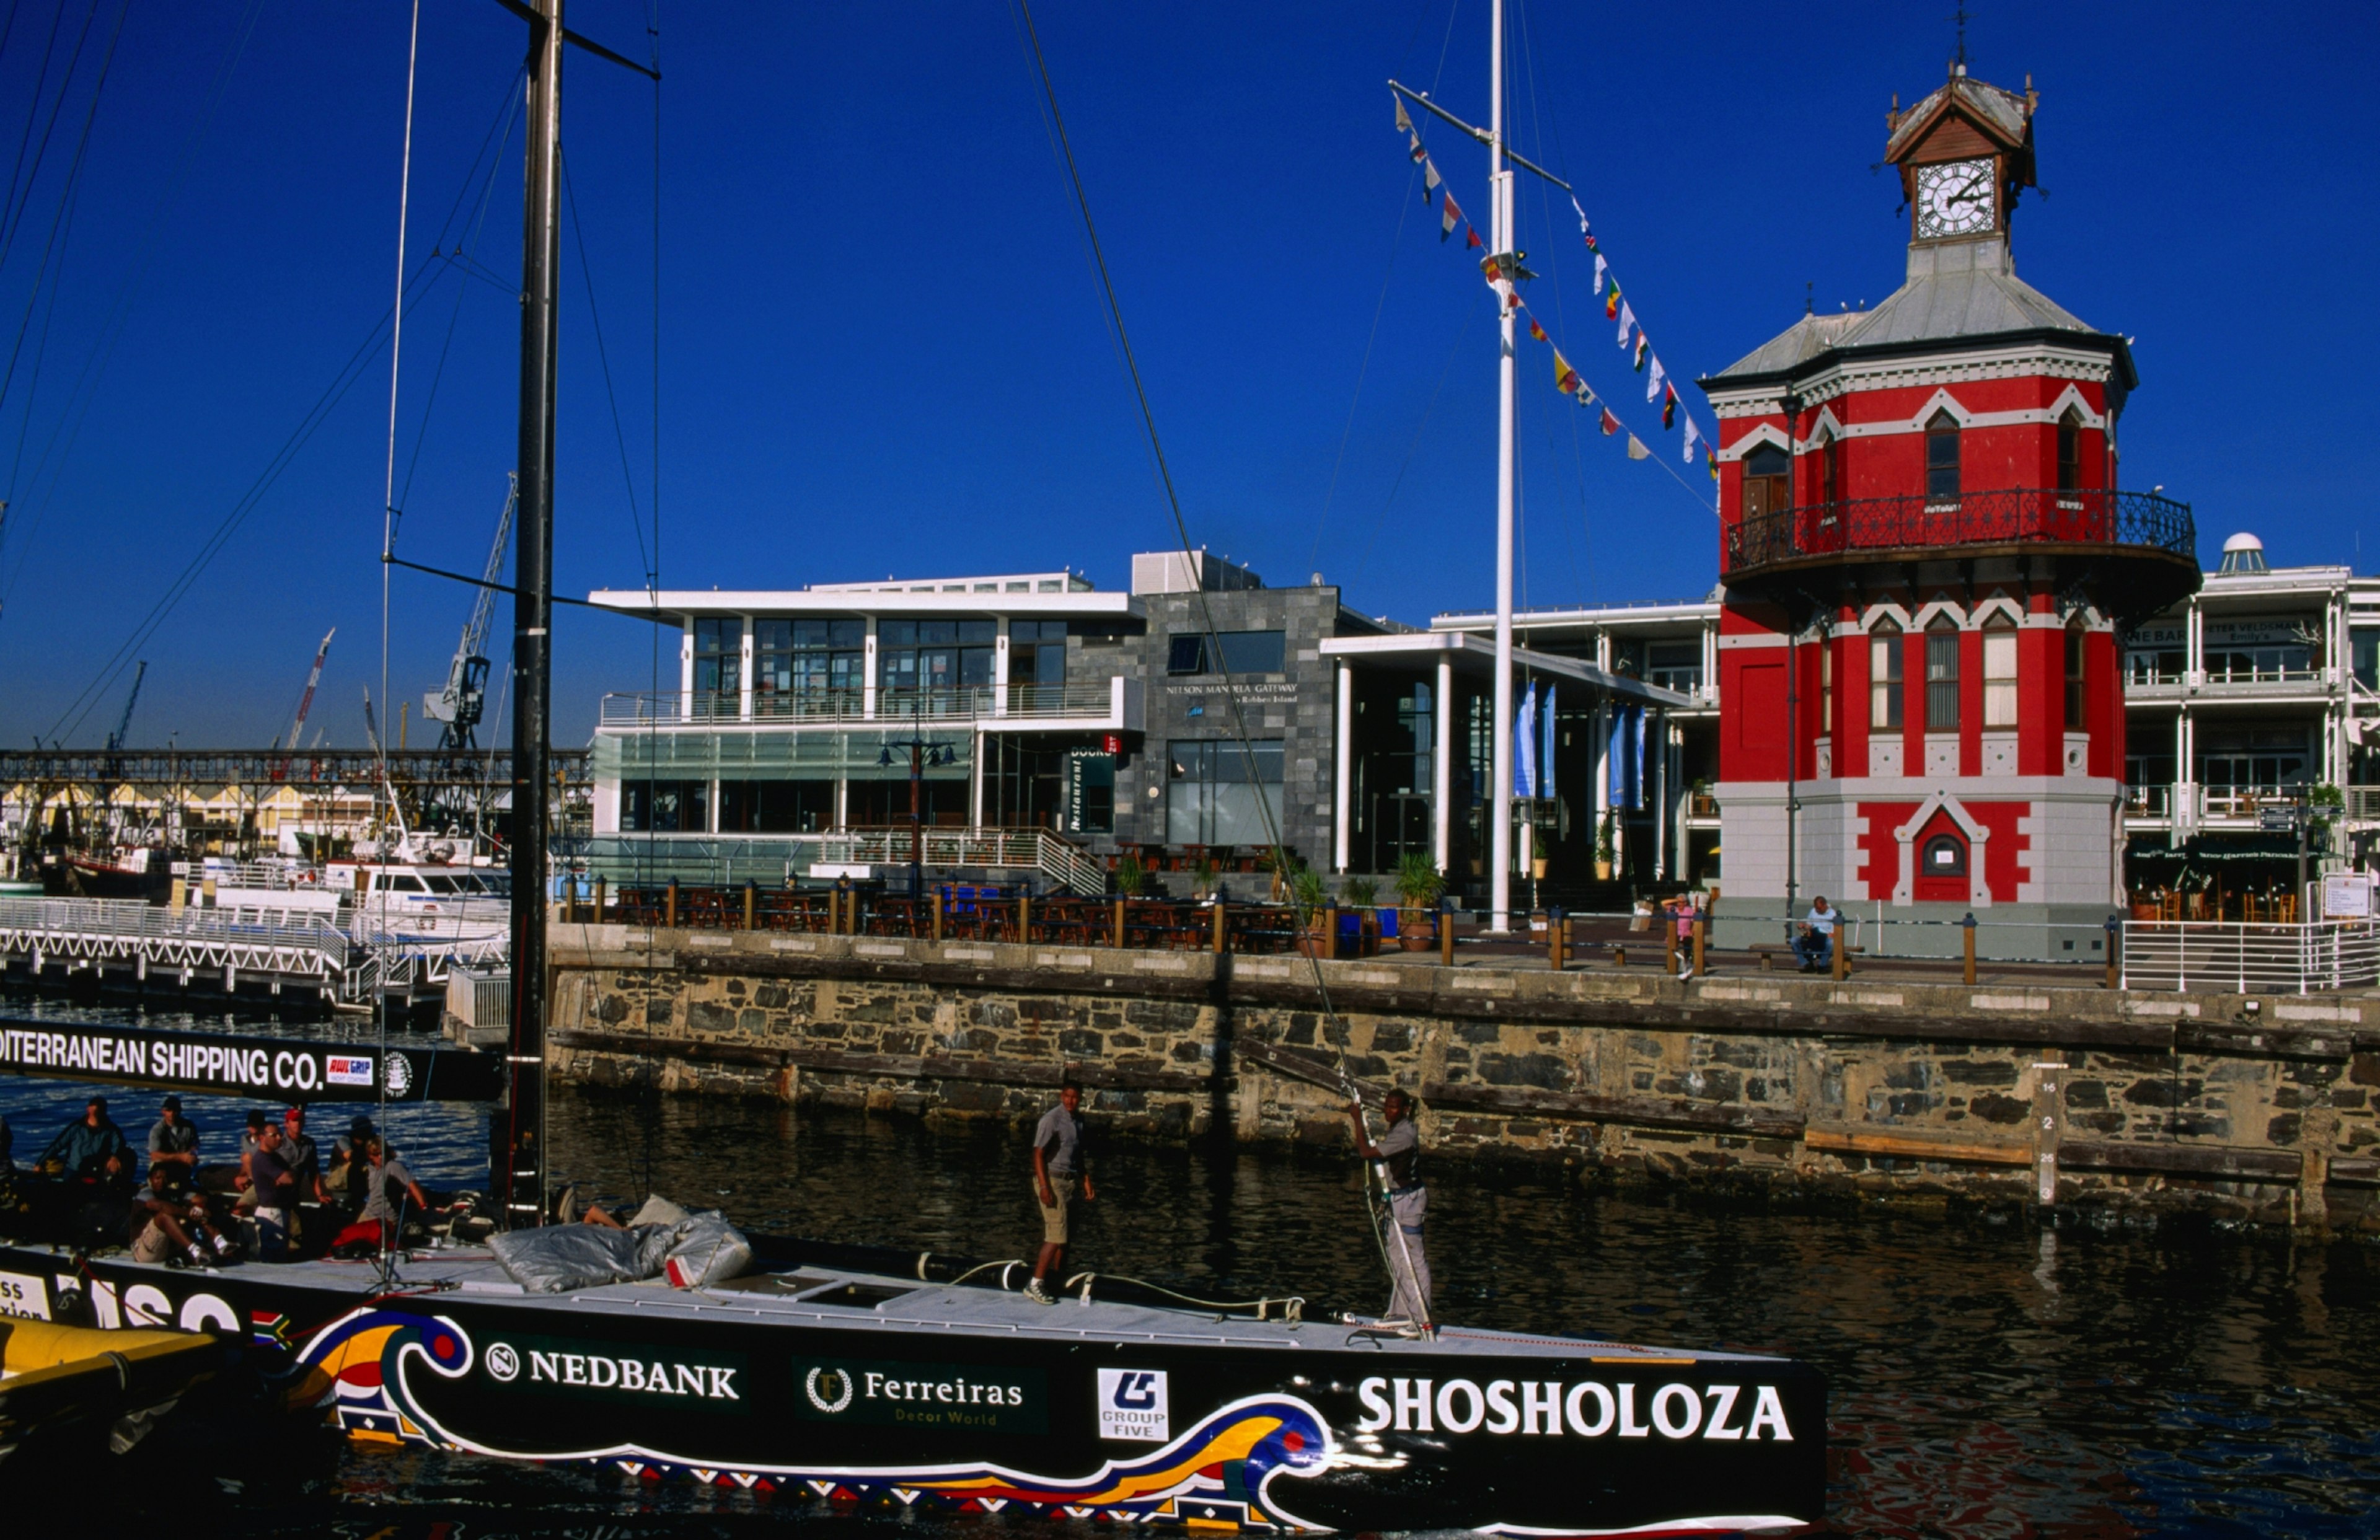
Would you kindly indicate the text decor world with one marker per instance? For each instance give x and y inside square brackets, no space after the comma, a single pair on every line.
[918,1395]
[1583,1408]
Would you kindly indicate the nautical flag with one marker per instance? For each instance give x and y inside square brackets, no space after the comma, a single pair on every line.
[1692,434]
[1420,156]
[1644,351]
[1449,219]
[1670,407]
[1587,232]
[1600,269]
[1430,180]
[1566,378]
[1538,332]
[1611,424]
[1627,317]
[1404,122]
[1656,382]
[1471,237]
[1636,450]
[1611,303]
[1710,460]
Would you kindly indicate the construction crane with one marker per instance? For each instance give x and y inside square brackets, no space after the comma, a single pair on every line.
[131,696]
[459,707]
[306,702]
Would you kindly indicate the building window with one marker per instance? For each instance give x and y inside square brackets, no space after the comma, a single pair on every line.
[1944,856]
[1830,469]
[1767,481]
[2074,698]
[2363,652]
[665,806]
[2000,673]
[1219,791]
[1675,665]
[1036,664]
[1942,676]
[1942,458]
[1884,675]
[775,807]
[2069,451]
[719,667]
[1827,685]
[1241,652]
[933,665]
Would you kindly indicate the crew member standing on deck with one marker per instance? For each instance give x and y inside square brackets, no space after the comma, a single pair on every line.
[1408,1203]
[1058,1164]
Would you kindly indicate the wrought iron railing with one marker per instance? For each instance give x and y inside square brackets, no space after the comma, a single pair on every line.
[2024,515]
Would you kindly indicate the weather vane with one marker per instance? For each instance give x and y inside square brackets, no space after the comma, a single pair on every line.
[1959,16]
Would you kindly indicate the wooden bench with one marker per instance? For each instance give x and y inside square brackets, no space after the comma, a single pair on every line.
[1768,951]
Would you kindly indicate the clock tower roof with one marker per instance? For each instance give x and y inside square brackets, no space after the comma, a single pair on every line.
[1947,124]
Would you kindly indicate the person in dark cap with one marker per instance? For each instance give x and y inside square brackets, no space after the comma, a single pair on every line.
[174,1142]
[349,1181]
[92,1148]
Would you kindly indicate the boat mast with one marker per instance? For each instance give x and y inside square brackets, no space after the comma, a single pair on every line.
[520,1180]
[1500,184]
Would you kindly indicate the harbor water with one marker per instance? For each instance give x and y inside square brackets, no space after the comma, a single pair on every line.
[1989,1378]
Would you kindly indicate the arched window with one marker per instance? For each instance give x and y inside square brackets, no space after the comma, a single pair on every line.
[1942,458]
[2069,451]
[1944,856]
[1942,675]
[1826,681]
[1767,481]
[1999,672]
[2074,635]
[1830,468]
[1884,675]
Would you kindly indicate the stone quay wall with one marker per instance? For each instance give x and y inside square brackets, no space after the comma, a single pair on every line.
[2239,1107]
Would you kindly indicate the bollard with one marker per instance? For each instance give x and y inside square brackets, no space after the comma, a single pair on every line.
[599,900]
[1445,933]
[1702,933]
[1024,916]
[1119,924]
[1967,933]
[751,904]
[669,907]
[938,917]
[2115,952]
[1670,945]
[1330,928]
[1557,925]
[1222,929]
[1839,949]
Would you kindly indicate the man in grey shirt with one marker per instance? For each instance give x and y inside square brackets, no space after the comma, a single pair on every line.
[173,1141]
[1059,1165]
[1400,1150]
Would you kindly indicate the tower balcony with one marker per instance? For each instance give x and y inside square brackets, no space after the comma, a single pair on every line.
[2137,550]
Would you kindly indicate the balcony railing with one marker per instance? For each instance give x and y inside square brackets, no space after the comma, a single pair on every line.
[2026,515]
[1076,698]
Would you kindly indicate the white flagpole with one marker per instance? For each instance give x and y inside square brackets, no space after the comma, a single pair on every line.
[1500,860]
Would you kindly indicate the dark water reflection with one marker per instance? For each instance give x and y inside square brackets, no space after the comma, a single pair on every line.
[1988,1379]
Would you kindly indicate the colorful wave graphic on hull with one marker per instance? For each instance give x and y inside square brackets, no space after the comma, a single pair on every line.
[1216,1475]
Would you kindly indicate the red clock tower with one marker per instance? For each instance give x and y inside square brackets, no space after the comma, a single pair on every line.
[1925,558]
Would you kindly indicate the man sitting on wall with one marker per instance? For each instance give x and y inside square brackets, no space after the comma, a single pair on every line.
[1816,945]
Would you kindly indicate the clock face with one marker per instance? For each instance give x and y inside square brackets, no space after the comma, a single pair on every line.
[1956,198]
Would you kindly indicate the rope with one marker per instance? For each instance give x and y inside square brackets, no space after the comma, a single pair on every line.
[1293,1306]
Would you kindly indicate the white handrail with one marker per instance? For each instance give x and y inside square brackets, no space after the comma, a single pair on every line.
[2242,958]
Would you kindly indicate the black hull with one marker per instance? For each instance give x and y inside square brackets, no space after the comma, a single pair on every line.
[1110,1412]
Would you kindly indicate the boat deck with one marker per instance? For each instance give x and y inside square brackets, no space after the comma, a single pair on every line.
[813,1296]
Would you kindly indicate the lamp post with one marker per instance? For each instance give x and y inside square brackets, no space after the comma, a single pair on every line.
[921,753]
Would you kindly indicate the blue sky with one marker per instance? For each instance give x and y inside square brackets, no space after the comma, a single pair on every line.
[882,349]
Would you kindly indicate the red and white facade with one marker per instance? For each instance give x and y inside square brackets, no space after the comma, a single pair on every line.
[1926,558]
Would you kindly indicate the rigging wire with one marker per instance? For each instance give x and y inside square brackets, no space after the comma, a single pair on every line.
[395,357]
[12,213]
[603,357]
[83,392]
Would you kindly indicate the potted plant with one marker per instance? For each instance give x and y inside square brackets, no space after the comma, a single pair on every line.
[1202,877]
[1605,843]
[1307,900]
[1131,877]
[1362,894]
[1419,887]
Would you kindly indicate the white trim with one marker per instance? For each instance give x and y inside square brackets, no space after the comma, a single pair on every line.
[1884,610]
[1998,602]
[1925,613]
[1953,366]
[1979,892]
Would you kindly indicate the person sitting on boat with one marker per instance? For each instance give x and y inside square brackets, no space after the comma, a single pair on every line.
[163,1219]
[391,1197]
[274,1187]
[92,1148]
[349,1183]
[1816,945]
[174,1142]
[1408,1205]
[1058,1164]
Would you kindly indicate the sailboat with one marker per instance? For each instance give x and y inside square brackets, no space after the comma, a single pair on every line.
[870,1377]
